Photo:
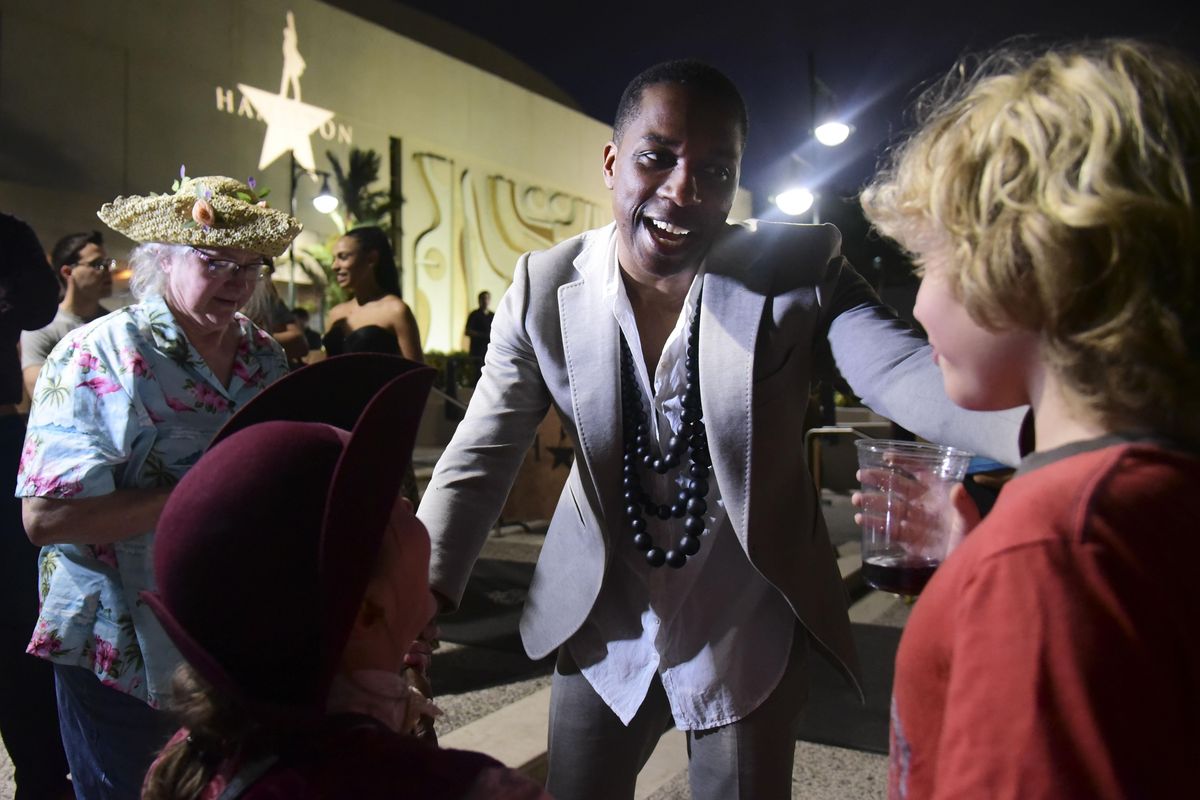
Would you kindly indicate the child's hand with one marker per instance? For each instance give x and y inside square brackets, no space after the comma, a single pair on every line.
[966,515]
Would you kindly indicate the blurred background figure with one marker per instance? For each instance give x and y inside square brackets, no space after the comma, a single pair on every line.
[349,573]
[123,408]
[269,312]
[363,263]
[479,328]
[311,337]
[28,714]
[86,272]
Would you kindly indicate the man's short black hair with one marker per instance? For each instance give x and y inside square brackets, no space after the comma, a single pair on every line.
[484,292]
[66,250]
[697,75]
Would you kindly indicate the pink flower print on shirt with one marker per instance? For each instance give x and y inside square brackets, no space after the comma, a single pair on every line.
[105,657]
[175,404]
[132,361]
[87,362]
[45,643]
[54,486]
[208,398]
[27,454]
[101,386]
[241,370]
[105,553]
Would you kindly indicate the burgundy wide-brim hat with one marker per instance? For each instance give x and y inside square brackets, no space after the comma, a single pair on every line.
[265,547]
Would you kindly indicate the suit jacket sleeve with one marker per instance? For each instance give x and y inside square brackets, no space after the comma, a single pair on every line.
[891,368]
[473,477]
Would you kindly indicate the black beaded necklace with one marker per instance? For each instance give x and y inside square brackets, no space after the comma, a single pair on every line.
[638,451]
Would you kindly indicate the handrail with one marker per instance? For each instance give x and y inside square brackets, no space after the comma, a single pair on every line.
[812,438]
[452,400]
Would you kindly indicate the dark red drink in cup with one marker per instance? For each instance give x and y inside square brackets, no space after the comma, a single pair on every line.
[907,520]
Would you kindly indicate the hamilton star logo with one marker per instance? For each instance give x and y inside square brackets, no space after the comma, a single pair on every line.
[290,122]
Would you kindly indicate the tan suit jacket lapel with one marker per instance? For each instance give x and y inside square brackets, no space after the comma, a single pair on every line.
[729,320]
[592,357]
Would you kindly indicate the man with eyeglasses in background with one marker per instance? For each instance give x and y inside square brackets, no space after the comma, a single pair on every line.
[86,271]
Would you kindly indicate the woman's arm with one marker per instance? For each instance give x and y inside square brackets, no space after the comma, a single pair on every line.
[109,518]
[407,333]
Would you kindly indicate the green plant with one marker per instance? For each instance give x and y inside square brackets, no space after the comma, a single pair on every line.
[362,205]
[466,370]
[359,205]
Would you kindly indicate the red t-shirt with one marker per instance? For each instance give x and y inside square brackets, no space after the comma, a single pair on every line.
[1056,654]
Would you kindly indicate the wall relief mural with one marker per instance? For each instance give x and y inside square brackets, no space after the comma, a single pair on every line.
[464,228]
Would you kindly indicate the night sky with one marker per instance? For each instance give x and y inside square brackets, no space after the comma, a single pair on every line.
[871,55]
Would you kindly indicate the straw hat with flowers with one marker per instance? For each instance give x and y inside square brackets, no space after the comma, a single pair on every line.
[212,211]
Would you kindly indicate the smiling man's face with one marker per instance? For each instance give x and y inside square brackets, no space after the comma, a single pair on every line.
[673,178]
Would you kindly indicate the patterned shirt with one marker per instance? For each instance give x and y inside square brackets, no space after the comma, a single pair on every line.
[124,402]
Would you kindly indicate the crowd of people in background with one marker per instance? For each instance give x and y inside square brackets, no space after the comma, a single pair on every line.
[218,580]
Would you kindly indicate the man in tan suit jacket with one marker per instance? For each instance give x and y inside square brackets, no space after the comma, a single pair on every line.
[720,643]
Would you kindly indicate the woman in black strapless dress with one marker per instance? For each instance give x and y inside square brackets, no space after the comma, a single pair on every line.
[376,319]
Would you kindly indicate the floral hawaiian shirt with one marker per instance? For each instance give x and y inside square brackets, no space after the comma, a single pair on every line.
[124,402]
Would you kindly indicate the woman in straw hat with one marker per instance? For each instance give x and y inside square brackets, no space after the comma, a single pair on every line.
[293,580]
[122,408]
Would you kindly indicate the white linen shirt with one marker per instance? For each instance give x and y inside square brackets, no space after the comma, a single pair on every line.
[716,631]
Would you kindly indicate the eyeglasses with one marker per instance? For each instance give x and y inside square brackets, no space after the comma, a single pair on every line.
[99,264]
[225,268]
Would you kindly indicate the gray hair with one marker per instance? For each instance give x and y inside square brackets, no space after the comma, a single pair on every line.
[150,280]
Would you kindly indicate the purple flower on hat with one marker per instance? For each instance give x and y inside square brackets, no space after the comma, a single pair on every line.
[182,172]
[251,182]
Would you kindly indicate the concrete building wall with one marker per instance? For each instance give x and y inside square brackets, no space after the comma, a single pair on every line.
[101,99]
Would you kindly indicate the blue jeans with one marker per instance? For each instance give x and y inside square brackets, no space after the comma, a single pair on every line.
[111,738]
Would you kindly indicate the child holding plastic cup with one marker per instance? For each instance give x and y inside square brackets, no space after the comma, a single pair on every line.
[1051,203]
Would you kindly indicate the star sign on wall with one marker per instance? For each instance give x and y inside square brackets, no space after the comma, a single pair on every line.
[290,122]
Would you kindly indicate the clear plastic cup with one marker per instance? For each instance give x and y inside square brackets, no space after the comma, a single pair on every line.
[907,521]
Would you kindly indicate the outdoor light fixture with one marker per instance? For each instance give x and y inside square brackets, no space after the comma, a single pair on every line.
[326,201]
[795,201]
[832,133]
[823,105]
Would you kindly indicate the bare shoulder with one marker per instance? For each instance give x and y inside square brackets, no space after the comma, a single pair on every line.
[393,305]
[338,312]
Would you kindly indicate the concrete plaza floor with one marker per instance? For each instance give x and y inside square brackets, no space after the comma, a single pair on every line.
[496,700]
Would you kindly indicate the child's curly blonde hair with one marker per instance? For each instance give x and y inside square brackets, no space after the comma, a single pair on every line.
[1065,185]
